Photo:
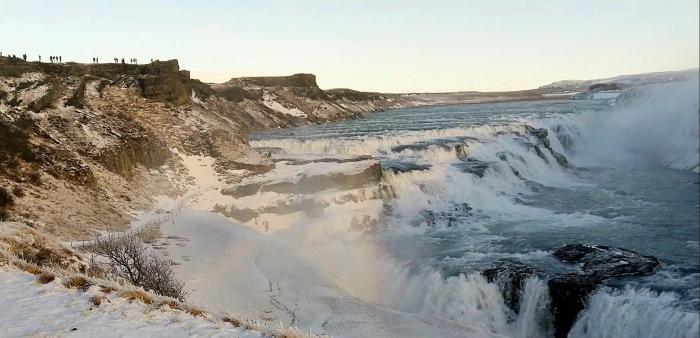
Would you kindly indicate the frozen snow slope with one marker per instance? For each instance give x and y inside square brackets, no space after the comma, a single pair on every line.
[31,309]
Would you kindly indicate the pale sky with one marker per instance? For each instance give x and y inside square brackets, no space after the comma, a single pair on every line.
[389,46]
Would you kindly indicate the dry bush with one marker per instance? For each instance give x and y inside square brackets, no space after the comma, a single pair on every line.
[18,191]
[33,269]
[77,282]
[195,312]
[6,202]
[129,258]
[33,248]
[35,253]
[97,300]
[45,277]
[6,199]
[291,332]
[107,289]
[236,322]
[34,177]
[138,295]
[253,325]
[171,303]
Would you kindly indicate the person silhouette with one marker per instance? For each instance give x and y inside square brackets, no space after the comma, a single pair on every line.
[60,59]
[97,60]
[24,56]
[122,60]
[39,58]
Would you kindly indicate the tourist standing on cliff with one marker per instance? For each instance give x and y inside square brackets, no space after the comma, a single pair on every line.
[39,58]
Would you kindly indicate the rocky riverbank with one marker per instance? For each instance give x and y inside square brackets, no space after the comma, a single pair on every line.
[85,146]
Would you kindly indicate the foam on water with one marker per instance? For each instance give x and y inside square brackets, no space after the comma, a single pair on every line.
[631,313]
[656,124]
[650,126]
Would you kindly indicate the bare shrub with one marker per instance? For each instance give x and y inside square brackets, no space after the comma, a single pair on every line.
[235,321]
[6,201]
[18,191]
[130,259]
[46,277]
[34,177]
[97,300]
[77,282]
[107,289]
[196,312]
[33,269]
[171,303]
[138,295]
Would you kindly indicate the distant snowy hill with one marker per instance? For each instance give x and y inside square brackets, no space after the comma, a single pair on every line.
[626,80]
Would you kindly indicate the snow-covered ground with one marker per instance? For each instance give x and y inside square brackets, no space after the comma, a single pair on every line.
[233,267]
[29,309]
[306,270]
[271,102]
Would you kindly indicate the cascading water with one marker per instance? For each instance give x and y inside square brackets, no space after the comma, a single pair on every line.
[656,124]
[473,185]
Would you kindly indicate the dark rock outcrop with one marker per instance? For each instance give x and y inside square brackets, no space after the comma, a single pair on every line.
[510,276]
[402,167]
[605,261]
[568,294]
[164,81]
[606,86]
[311,184]
[472,166]
[541,135]
[572,252]
[295,80]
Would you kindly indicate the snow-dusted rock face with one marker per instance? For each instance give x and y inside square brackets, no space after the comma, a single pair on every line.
[90,144]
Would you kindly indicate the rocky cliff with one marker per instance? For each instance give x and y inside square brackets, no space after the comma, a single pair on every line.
[82,146]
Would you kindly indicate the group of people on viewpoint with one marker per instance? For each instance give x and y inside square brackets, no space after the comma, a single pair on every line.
[59,59]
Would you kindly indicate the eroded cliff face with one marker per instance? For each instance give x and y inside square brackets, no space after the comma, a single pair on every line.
[84,146]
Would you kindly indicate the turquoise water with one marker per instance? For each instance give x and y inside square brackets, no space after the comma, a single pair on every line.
[459,214]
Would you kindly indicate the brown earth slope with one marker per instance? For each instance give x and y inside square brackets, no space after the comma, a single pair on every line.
[82,146]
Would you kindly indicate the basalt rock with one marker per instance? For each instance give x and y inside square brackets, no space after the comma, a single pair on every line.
[403,167]
[472,166]
[311,184]
[541,135]
[165,82]
[572,252]
[605,261]
[568,294]
[510,276]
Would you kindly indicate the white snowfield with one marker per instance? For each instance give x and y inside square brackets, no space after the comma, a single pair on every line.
[29,309]
[270,101]
[307,271]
